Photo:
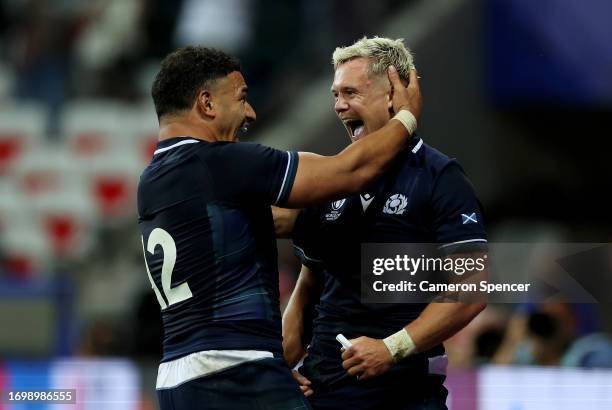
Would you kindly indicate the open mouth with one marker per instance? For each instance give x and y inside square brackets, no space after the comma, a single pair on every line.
[355,127]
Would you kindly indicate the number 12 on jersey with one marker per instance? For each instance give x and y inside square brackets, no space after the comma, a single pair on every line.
[174,295]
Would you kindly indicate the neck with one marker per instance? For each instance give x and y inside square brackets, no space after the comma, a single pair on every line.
[185,127]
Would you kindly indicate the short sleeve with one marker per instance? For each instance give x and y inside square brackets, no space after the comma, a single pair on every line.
[457,214]
[247,171]
[305,232]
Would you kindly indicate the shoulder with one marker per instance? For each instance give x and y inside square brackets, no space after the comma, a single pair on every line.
[243,151]
[240,147]
[436,163]
[422,156]
[216,148]
[434,160]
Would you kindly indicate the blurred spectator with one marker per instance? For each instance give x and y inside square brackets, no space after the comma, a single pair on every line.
[476,343]
[594,350]
[225,24]
[486,344]
[42,35]
[103,338]
[541,337]
[110,46]
[548,336]
[546,339]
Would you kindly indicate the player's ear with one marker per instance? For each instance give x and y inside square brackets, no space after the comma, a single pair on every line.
[389,95]
[205,104]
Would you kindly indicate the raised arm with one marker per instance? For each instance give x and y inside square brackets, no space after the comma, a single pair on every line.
[320,178]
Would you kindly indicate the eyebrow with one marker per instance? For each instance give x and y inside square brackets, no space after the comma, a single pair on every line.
[343,88]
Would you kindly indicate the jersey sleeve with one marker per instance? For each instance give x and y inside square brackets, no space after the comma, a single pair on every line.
[249,172]
[305,231]
[457,214]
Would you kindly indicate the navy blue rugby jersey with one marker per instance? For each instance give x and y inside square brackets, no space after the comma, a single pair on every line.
[209,243]
[424,197]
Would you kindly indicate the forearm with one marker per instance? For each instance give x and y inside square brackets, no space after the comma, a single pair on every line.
[369,357]
[298,315]
[293,335]
[440,321]
[284,220]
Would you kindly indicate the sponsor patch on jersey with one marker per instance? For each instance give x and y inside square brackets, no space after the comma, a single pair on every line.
[336,210]
[396,204]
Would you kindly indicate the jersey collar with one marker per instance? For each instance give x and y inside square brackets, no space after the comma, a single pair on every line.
[415,144]
[170,143]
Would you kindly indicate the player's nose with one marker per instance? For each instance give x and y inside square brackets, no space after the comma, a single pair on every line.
[250,113]
[341,105]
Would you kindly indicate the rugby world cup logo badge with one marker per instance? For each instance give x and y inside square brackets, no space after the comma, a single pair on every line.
[396,204]
[336,210]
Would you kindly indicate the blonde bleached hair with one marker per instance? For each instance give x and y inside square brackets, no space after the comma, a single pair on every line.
[381,52]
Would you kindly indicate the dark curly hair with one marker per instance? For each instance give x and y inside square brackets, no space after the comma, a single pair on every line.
[184,72]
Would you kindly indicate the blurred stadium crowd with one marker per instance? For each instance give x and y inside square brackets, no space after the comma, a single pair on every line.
[77,127]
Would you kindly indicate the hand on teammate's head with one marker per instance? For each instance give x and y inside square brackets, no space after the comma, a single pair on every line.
[406,97]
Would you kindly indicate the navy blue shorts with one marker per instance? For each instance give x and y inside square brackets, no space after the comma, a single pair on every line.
[429,395]
[265,384]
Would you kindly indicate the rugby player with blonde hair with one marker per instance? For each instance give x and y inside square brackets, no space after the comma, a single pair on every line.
[396,360]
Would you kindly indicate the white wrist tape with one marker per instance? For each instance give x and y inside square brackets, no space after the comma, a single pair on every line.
[407,119]
[400,345]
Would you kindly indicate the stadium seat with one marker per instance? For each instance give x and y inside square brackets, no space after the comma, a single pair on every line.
[26,250]
[11,146]
[46,170]
[111,183]
[21,128]
[140,133]
[67,219]
[90,126]
[54,198]
[12,205]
